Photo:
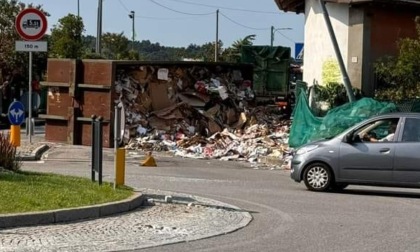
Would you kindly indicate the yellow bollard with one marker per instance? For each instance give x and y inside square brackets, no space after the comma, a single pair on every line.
[120,169]
[149,161]
[15,135]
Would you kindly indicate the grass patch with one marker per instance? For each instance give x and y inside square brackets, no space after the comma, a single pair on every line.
[29,191]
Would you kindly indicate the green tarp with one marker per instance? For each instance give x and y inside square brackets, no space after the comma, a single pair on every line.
[307,128]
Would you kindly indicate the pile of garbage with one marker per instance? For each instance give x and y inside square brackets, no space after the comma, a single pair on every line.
[196,113]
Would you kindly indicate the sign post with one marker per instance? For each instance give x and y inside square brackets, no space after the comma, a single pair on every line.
[16,115]
[31,25]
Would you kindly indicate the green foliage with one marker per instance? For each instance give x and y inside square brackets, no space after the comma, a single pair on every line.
[156,52]
[28,192]
[398,93]
[400,76]
[330,72]
[334,94]
[233,53]
[93,56]
[115,46]
[66,37]
[8,154]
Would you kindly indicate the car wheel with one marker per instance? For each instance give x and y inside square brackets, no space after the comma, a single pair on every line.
[317,177]
[336,187]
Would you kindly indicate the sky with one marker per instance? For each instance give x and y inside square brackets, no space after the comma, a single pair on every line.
[180,23]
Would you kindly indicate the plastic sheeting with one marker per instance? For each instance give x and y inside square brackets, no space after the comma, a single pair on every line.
[307,128]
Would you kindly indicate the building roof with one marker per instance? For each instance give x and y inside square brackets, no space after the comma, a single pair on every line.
[298,6]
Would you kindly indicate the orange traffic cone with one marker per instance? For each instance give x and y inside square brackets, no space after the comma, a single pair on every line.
[149,161]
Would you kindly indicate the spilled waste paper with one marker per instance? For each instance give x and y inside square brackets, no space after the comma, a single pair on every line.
[194,112]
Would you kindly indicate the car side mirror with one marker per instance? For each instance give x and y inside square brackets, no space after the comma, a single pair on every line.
[356,138]
[352,137]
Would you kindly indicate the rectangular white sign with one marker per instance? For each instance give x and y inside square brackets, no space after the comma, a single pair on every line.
[31,46]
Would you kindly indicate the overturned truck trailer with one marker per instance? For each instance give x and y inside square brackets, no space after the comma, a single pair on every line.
[272,70]
[198,97]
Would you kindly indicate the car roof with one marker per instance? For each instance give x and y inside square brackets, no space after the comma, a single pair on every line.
[397,114]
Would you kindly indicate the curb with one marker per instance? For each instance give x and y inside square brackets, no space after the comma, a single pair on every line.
[35,154]
[72,214]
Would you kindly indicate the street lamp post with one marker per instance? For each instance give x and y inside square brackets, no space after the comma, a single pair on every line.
[78,8]
[273,30]
[99,29]
[132,16]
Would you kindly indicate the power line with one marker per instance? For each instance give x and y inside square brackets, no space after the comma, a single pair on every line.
[124,6]
[186,13]
[291,40]
[225,8]
[237,23]
[149,17]
[162,18]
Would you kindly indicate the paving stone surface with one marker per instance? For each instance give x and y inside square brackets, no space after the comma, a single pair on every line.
[187,218]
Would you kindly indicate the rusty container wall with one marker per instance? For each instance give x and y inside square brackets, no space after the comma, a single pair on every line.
[80,89]
[59,123]
[95,98]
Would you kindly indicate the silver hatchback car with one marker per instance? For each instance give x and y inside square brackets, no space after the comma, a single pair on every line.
[381,151]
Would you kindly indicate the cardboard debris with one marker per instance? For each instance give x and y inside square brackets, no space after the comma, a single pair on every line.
[198,113]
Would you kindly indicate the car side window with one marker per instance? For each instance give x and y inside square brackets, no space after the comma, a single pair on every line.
[380,131]
[411,131]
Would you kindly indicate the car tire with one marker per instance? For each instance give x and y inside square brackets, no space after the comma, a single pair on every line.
[317,177]
[337,187]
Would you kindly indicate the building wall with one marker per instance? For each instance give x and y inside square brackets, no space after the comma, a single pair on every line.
[386,27]
[318,45]
[364,34]
[357,39]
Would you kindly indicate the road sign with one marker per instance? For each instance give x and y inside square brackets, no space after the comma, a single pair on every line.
[31,24]
[16,113]
[299,50]
[31,46]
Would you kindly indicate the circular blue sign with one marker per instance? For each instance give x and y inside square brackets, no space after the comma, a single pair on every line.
[16,113]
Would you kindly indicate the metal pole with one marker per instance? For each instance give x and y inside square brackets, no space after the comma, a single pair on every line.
[99,28]
[134,33]
[78,8]
[99,148]
[216,45]
[29,123]
[93,156]
[272,36]
[346,79]
[117,130]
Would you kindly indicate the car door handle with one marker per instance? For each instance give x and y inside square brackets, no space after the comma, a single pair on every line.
[383,150]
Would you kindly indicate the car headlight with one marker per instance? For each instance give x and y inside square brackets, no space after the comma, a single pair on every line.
[305,149]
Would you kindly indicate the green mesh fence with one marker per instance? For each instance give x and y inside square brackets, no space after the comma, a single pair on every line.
[307,128]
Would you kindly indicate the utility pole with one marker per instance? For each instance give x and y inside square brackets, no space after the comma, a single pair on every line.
[78,8]
[216,45]
[272,36]
[99,28]
[346,79]
[273,30]
[132,16]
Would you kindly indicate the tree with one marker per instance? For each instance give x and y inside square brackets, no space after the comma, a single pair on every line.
[115,46]
[400,76]
[206,51]
[66,37]
[233,53]
[11,60]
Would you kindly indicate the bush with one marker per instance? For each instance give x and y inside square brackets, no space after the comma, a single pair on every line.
[399,77]
[398,93]
[8,154]
[335,94]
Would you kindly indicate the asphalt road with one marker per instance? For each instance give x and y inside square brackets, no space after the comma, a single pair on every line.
[287,217]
